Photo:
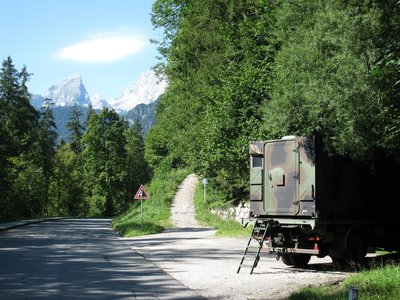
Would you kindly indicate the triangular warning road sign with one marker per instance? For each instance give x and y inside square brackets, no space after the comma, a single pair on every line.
[141,193]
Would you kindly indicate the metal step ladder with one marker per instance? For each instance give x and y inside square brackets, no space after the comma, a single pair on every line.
[255,244]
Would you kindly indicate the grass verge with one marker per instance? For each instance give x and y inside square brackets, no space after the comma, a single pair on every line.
[379,283]
[227,228]
[156,210]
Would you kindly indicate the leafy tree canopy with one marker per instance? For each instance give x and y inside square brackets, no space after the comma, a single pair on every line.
[257,69]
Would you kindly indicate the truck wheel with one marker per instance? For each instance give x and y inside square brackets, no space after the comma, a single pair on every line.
[301,260]
[296,260]
[286,259]
[356,249]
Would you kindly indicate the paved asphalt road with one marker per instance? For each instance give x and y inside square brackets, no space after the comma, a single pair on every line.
[79,259]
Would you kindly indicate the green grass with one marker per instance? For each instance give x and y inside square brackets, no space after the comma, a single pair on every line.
[156,210]
[379,283]
[227,228]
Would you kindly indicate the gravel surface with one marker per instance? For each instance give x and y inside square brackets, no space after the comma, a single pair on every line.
[208,264]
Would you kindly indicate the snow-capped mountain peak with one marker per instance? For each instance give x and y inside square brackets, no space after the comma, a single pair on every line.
[69,92]
[145,90]
[98,102]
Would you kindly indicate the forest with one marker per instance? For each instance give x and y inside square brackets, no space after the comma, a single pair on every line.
[238,70]
[95,173]
[243,70]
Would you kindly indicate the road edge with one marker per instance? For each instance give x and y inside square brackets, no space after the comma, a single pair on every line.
[20,223]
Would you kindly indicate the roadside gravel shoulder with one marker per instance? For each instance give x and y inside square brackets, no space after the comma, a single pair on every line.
[207,264]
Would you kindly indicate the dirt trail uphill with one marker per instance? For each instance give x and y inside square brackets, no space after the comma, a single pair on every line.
[207,264]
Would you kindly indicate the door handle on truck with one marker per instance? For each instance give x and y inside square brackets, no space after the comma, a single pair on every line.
[312,192]
[283,181]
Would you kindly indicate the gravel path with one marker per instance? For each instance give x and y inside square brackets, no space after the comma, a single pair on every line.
[207,264]
[182,209]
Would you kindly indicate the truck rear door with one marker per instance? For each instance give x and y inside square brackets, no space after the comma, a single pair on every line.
[281,177]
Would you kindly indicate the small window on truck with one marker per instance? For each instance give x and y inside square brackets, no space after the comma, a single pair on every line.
[256,162]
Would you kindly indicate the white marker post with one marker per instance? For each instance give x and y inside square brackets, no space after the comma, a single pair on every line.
[205,182]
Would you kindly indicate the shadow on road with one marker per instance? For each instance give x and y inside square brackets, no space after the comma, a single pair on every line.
[78,259]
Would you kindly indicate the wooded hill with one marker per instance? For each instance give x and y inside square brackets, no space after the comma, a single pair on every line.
[94,174]
[242,70]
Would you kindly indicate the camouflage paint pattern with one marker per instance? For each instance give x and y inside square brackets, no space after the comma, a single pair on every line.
[284,184]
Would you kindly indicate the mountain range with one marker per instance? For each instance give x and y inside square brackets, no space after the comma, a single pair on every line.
[137,102]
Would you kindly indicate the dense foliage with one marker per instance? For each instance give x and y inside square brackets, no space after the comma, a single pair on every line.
[240,70]
[94,174]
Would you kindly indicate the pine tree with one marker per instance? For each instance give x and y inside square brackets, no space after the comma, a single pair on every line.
[76,129]
[46,143]
[20,177]
[20,118]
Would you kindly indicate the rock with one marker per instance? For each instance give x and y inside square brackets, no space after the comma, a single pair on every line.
[237,213]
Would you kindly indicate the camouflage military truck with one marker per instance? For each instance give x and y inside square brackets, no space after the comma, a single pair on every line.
[311,203]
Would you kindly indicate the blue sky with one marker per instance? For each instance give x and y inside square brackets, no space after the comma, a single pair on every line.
[105,41]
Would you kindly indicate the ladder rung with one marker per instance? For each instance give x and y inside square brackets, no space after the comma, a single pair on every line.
[253,247]
[249,254]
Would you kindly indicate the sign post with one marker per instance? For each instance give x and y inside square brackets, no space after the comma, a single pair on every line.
[205,182]
[141,195]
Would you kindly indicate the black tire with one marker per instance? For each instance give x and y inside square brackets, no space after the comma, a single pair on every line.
[353,256]
[355,252]
[286,259]
[355,248]
[296,260]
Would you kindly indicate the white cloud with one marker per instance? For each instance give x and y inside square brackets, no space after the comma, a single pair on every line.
[103,48]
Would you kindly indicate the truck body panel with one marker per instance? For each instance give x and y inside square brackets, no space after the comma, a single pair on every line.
[320,204]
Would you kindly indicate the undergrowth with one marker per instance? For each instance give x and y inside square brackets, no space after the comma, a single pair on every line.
[213,199]
[156,210]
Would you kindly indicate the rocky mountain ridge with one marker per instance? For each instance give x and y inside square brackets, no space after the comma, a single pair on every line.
[145,90]
[137,103]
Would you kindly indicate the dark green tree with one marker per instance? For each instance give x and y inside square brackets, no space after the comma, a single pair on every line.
[76,129]
[137,169]
[89,114]
[218,56]
[104,163]
[66,188]
[19,120]
[46,142]
[328,77]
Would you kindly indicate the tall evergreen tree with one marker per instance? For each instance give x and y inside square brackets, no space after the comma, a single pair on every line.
[46,142]
[20,118]
[76,129]
[20,195]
